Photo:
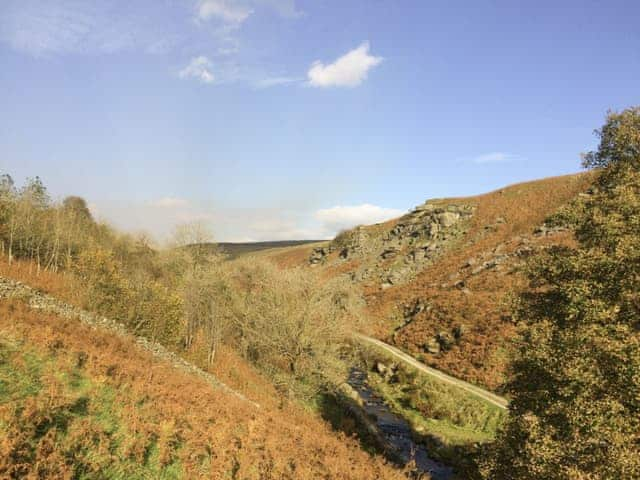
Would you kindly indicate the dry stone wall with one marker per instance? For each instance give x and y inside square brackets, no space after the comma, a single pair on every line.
[46,303]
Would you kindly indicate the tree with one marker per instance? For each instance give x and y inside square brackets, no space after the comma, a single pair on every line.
[208,297]
[293,325]
[575,383]
[8,221]
[195,241]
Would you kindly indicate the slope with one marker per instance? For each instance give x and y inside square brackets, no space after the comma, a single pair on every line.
[438,281]
[83,402]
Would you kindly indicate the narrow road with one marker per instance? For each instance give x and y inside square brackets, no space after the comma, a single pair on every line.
[492,398]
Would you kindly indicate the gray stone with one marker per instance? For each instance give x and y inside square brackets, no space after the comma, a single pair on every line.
[445,339]
[458,331]
[432,346]
[389,253]
[470,263]
[447,219]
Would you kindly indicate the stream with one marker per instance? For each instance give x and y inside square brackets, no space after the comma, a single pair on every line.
[396,431]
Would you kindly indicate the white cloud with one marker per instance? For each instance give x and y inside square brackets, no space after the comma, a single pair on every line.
[198,68]
[229,11]
[169,202]
[350,70]
[276,81]
[494,157]
[342,217]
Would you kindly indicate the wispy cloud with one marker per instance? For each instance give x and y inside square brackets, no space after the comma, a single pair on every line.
[159,217]
[350,70]
[276,81]
[494,157]
[235,12]
[44,27]
[229,11]
[198,68]
[169,202]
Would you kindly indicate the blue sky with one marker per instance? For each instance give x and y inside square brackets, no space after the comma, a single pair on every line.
[273,119]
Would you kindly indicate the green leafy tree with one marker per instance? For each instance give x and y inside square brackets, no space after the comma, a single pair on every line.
[575,383]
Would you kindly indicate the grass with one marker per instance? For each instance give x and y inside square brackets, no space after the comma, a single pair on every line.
[483,307]
[81,403]
[57,421]
[434,409]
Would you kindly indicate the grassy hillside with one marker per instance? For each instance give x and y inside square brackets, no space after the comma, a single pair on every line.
[237,249]
[443,292]
[76,402]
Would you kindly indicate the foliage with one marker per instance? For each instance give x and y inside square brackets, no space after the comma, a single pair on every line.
[434,408]
[121,276]
[76,402]
[208,297]
[575,386]
[293,325]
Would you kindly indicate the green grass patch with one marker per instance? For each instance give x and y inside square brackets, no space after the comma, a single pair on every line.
[436,409]
[58,421]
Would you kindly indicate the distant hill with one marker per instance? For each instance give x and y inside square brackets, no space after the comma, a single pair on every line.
[236,249]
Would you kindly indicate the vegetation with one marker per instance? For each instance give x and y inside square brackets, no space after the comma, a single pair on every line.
[439,410]
[295,325]
[80,403]
[450,423]
[575,384]
[289,324]
[185,297]
[505,220]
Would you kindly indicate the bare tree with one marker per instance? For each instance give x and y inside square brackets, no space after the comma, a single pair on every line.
[195,241]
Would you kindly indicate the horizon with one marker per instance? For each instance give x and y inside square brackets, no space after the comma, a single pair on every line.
[289,120]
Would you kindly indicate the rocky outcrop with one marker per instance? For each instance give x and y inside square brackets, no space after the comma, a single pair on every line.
[393,255]
[46,303]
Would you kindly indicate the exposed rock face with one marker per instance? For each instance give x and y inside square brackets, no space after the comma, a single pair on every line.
[395,254]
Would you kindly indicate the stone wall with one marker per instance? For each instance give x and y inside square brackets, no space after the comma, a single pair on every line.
[40,301]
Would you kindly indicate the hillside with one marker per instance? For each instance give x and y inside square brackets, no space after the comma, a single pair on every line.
[80,401]
[438,280]
[236,249]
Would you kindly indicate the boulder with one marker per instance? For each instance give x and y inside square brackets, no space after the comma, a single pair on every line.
[381,368]
[389,253]
[447,219]
[470,263]
[432,346]
[318,255]
[458,331]
[445,339]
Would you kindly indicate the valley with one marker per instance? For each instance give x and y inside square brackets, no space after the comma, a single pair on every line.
[404,349]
